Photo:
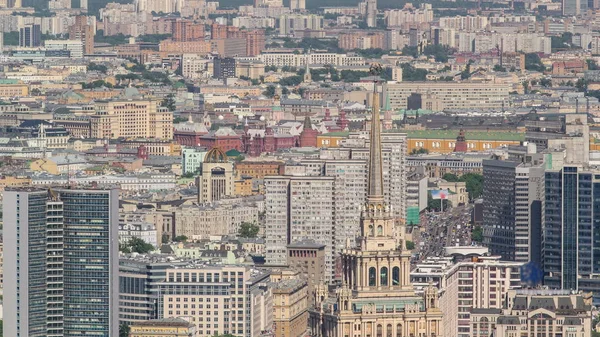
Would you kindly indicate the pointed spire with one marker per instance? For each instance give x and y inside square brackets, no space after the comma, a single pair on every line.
[375,187]
[307,123]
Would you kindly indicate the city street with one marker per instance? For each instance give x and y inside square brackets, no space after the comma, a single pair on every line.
[442,229]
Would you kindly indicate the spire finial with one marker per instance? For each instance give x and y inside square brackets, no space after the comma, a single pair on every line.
[375,187]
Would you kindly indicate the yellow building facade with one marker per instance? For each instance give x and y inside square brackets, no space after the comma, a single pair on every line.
[290,308]
[12,90]
[131,119]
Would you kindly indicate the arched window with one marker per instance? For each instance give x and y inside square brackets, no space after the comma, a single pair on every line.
[398,329]
[395,276]
[379,331]
[371,230]
[388,331]
[372,276]
[383,275]
[379,230]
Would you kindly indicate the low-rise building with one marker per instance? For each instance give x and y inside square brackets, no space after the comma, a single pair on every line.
[172,327]
[234,300]
[290,308]
[537,312]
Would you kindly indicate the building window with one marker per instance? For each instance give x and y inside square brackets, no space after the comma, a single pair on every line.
[384,276]
[395,276]
[372,276]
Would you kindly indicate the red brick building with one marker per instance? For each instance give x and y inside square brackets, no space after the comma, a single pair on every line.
[225,138]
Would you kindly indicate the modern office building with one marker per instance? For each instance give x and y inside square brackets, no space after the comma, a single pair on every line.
[224,67]
[61,262]
[30,36]
[513,198]
[234,300]
[574,7]
[139,278]
[571,250]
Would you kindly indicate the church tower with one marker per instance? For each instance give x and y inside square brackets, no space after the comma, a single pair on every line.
[307,75]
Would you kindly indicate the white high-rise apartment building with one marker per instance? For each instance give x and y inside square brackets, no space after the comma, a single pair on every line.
[299,208]
[468,278]
[320,199]
[291,22]
[398,17]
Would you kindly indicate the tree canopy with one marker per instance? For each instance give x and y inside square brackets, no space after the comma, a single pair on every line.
[136,245]
[248,230]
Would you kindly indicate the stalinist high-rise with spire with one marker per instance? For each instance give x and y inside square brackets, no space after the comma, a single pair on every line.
[376,298]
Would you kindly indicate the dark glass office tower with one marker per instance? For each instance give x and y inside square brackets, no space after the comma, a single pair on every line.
[60,262]
[571,247]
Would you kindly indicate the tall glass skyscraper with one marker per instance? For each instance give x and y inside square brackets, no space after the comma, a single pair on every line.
[61,262]
[571,247]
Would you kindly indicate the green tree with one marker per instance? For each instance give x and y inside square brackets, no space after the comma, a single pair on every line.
[474,183]
[546,82]
[477,234]
[438,51]
[435,204]
[97,67]
[450,177]
[270,92]
[180,238]
[113,40]
[164,238]
[498,67]
[353,75]
[169,102]
[410,245]
[137,245]
[465,74]
[592,65]
[248,230]
[124,330]
[410,73]
[419,151]
[291,81]
[533,62]
[410,51]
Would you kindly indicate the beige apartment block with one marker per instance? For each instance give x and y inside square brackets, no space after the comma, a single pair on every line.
[131,119]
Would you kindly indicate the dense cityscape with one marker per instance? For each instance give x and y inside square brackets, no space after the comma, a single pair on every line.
[270,168]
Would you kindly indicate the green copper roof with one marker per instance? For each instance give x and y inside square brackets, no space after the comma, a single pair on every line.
[469,135]
[337,134]
[388,304]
